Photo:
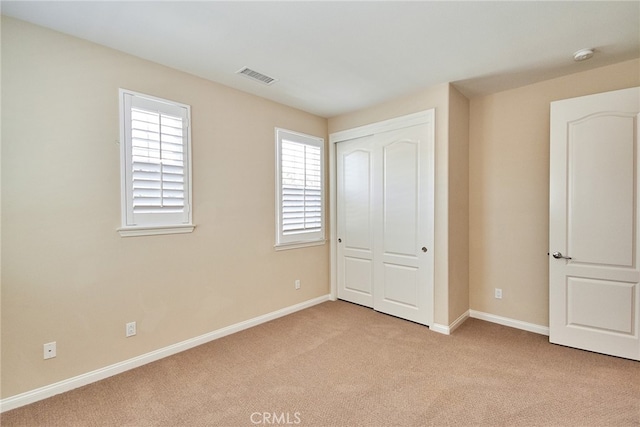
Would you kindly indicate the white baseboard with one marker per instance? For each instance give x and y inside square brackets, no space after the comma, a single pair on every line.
[447,330]
[505,321]
[441,329]
[459,321]
[108,371]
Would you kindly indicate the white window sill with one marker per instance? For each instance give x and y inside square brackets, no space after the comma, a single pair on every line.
[297,245]
[155,230]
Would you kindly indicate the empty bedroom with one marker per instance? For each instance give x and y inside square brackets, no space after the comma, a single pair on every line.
[229,213]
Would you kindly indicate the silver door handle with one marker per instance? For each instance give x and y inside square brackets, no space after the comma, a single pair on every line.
[558,255]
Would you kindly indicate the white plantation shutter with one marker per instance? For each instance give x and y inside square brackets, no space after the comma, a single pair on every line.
[301,191]
[300,188]
[156,162]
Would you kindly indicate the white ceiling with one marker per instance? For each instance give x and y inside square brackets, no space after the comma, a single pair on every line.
[335,57]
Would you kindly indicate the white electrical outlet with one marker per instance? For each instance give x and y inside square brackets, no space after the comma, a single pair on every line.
[131,329]
[297,284]
[498,293]
[50,350]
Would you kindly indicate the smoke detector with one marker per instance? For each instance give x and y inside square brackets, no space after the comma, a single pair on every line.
[582,55]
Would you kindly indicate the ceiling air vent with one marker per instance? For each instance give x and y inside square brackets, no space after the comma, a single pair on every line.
[254,75]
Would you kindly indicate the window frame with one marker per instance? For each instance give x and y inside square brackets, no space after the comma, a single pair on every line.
[160,223]
[298,239]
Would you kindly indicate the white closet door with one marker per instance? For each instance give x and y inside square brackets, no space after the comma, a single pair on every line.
[404,224]
[385,217]
[355,220]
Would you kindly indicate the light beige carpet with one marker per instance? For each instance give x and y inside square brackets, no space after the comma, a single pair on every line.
[339,364]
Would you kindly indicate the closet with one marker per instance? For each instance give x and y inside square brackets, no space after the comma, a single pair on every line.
[385,216]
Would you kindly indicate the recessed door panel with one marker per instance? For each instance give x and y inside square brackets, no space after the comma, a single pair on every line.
[401,285]
[357,199]
[358,275]
[601,165]
[400,197]
[601,304]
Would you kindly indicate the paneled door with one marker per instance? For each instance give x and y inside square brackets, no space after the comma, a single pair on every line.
[594,270]
[385,222]
[355,211]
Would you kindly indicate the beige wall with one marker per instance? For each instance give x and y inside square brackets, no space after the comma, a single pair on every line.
[509,190]
[458,205]
[437,97]
[67,276]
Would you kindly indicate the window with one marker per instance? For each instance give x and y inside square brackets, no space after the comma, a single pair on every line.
[300,190]
[155,165]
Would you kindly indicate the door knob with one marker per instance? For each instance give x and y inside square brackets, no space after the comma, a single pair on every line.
[424,249]
[339,240]
[558,255]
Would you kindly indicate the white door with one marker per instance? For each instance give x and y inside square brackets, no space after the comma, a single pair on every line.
[385,222]
[355,220]
[404,214]
[594,262]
